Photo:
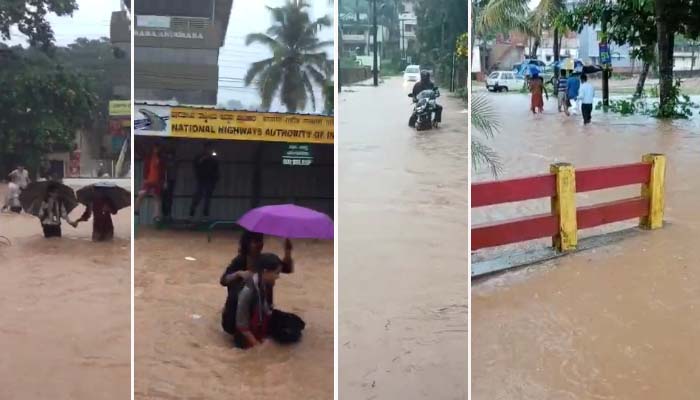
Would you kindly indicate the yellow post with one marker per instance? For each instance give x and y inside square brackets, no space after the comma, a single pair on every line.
[654,192]
[564,206]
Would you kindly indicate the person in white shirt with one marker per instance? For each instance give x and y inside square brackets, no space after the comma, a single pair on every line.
[586,95]
[12,199]
[20,176]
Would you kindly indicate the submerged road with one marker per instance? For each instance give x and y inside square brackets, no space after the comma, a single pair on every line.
[619,322]
[402,248]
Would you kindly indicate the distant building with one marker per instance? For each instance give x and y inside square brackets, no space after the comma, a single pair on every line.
[176,49]
[407,31]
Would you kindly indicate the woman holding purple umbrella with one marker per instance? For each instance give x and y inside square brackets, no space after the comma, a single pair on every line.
[284,327]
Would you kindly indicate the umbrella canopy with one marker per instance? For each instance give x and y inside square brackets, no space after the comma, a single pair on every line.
[36,192]
[120,197]
[591,69]
[289,221]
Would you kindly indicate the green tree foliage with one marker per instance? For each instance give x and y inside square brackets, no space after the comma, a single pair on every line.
[298,63]
[30,19]
[43,104]
[439,25]
[672,17]
[628,22]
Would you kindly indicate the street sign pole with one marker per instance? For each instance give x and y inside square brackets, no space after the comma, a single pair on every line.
[375,71]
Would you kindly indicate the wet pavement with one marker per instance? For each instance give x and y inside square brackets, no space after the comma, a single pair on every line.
[402,268]
[180,349]
[621,321]
[65,306]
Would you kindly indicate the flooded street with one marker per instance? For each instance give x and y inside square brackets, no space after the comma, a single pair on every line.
[621,321]
[181,351]
[402,262]
[65,306]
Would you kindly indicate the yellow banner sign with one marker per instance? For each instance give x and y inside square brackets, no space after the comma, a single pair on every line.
[119,108]
[242,125]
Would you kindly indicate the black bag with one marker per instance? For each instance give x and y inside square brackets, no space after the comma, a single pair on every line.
[285,328]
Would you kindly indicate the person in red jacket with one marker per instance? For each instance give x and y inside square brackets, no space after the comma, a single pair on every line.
[153,177]
[101,209]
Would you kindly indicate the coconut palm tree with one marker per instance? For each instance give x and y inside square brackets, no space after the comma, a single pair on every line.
[298,64]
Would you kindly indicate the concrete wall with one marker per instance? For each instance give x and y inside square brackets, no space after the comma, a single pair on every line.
[354,75]
[240,162]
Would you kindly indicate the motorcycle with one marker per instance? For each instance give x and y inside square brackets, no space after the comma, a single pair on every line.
[424,106]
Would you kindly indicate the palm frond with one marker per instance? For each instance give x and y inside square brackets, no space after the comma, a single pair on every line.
[256,69]
[503,15]
[268,84]
[309,88]
[483,155]
[484,117]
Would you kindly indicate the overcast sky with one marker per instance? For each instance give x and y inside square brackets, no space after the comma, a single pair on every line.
[91,20]
[247,16]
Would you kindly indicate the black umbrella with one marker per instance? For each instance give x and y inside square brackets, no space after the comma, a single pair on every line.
[120,197]
[36,192]
[592,69]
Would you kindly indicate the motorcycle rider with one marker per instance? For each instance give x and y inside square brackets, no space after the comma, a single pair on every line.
[424,84]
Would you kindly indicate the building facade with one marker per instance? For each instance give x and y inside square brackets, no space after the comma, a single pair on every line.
[176,49]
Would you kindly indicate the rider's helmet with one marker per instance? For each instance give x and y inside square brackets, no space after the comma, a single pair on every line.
[425,76]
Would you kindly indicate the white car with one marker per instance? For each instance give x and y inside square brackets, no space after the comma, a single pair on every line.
[498,81]
[412,73]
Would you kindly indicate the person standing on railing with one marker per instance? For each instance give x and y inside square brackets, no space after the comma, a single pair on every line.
[206,171]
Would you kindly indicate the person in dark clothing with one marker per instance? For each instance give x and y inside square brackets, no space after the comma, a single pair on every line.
[252,313]
[51,212]
[101,211]
[424,84]
[206,170]
[169,183]
[287,327]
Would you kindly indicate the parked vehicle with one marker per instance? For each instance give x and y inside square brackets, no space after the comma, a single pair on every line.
[499,81]
[412,73]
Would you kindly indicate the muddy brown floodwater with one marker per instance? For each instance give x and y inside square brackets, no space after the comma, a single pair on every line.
[402,249]
[65,316]
[181,352]
[619,322]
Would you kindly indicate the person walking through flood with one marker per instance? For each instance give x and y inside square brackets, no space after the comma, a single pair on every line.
[573,83]
[20,176]
[12,202]
[287,326]
[255,317]
[51,211]
[562,101]
[537,88]
[153,174]
[206,170]
[101,209]
[586,95]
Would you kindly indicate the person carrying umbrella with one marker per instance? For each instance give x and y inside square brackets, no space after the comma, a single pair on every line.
[54,207]
[102,200]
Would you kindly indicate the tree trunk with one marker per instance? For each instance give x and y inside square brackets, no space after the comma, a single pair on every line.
[642,78]
[556,45]
[665,42]
[535,47]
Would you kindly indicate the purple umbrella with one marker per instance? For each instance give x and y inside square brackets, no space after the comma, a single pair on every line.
[288,221]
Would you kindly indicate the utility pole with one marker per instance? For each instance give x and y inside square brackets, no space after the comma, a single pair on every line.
[605,54]
[375,71]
